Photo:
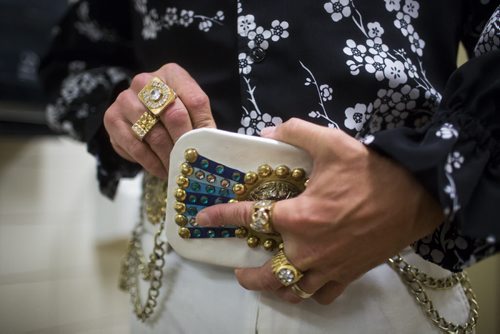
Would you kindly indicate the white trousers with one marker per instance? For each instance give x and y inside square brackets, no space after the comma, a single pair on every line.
[201,298]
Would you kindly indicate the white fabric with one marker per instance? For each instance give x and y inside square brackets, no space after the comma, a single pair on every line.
[202,298]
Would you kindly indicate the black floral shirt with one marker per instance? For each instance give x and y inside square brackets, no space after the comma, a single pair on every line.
[383,71]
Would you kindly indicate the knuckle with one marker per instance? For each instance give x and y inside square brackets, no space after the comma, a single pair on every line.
[170,67]
[157,137]
[111,118]
[291,125]
[270,283]
[176,116]
[126,98]
[141,79]
[198,100]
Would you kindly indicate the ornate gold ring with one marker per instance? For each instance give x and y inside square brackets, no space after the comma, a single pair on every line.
[262,217]
[297,290]
[157,96]
[284,271]
[144,124]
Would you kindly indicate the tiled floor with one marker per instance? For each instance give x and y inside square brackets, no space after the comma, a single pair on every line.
[59,258]
[61,244]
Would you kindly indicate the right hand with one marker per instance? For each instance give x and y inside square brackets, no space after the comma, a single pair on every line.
[190,110]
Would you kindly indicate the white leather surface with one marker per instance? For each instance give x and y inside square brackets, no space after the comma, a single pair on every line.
[241,152]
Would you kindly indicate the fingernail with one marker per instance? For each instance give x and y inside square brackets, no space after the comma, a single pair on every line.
[267,132]
[202,219]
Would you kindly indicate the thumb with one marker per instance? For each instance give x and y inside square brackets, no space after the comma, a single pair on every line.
[308,136]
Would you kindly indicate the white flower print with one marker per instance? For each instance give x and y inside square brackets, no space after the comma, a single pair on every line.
[375,65]
[170,17]
[375,30]
[377,47]
[268,121]
[338,9]
[244,63]
[326,92]
[384,100]
[433,98]
[490,37]
[406,98]
[402,22]
[354,50]
[447,131]
[279,30]
[411,8]
[205,25]
[250,122]
[356,117]
[411,69]
[151,26]
[254,121]
[140,5]
[391,5]
[90,28]
[258,38]
[186,17]
[246,23]
[153,23]
[417,44]
[239,7]
[454,162]
[395,118]
[437,256]
[353,67]
[395,72]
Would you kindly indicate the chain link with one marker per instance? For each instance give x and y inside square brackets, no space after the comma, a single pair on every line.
[416,280]
[134,263]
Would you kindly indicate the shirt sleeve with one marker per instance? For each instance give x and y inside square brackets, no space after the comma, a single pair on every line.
[90,61]
[457,157]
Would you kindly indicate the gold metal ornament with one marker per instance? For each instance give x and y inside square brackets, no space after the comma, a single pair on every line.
[182,181]
[262,217]
[268,184]
[190,155]
[156,96]
[253,241]
[283,270]
[184,233]
[297,290]
[270,245]
[143,125]
[186,169]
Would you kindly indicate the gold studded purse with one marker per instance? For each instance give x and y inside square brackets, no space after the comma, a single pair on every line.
[208,167]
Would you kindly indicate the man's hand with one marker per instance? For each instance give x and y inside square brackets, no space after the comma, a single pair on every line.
[190,110]
[359,209]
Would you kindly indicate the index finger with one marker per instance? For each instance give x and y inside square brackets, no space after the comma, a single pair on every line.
[237,214]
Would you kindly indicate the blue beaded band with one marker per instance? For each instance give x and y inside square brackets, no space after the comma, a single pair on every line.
[210,183]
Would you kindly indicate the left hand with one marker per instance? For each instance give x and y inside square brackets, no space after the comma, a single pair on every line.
[359,209]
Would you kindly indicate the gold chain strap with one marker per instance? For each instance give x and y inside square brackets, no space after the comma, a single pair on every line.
[416,280]
[134,263]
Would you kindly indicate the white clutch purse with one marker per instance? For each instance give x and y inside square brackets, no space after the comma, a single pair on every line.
[208,167]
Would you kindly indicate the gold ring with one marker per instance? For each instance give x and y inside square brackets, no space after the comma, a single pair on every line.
[284,271]
[261,217]
[144,124]
[156,96]
[297,290]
